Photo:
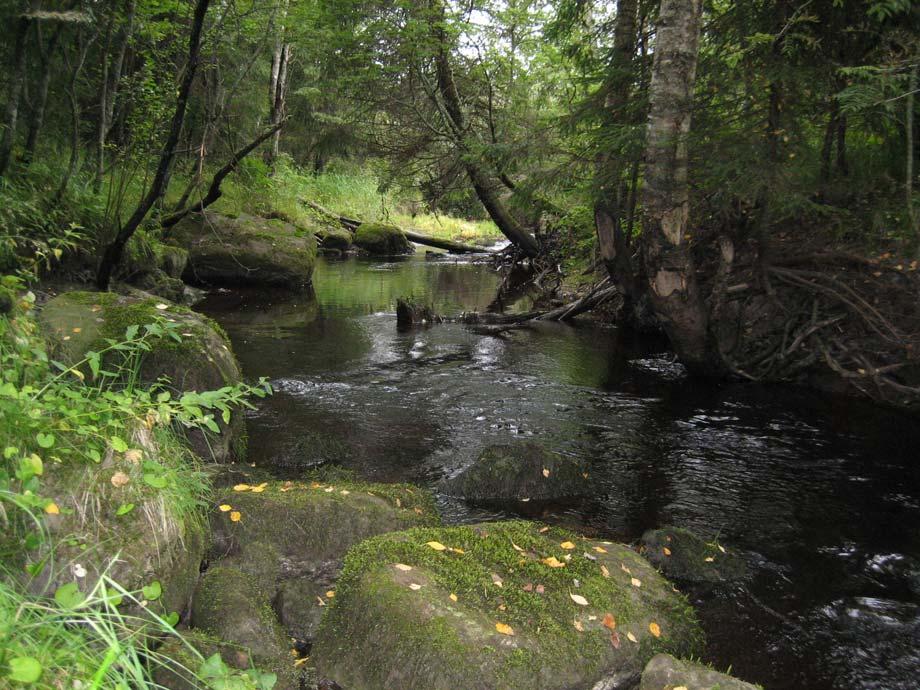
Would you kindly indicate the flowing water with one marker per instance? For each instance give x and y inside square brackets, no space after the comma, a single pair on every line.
[822,495]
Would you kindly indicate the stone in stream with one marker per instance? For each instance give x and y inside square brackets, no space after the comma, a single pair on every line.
[201,360]
[380,239]
[410,314]
[510,605]
[246,250]
[685,557]
[520,471]
[335,239]
[664,672]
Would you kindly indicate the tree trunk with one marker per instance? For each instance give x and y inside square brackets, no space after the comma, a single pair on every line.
[909,156]
[82,49]
[17,78]
[113,251]
[37,120]
[674,293]
[484,187]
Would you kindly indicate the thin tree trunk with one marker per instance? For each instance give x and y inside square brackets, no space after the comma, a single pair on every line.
[37,119]
[843,168]
[453,112]
[16,81]
[112,255]
[909,157]
[830,133]
[674,293]
[82,49]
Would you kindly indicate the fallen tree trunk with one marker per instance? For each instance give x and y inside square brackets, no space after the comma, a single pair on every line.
[352,224]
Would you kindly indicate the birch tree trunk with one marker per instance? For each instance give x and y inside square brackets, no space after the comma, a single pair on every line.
[673,290]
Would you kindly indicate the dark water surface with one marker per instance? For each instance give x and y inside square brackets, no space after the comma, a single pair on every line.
[822,495]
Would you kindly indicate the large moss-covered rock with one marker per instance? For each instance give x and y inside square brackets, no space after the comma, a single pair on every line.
[664,672]
[521,471]
[337,239]
[683,556]
[380,239]
[311,523]
[498,605]
[246,250]
[201,360]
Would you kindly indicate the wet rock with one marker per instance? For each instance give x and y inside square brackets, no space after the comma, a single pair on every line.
[380,239]
[685,557]
[483,606]
[246,250]
[664,672]
[520,471]
[300,602]
[409,315]
[202,360]
[335,239]
[177,665]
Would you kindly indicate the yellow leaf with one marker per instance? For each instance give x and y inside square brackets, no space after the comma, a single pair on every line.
[235,516]
[546,472]
[609,621]
[225,507]
[496,580]
[414,586]
[453,597]
[553,562]
[544,530]
[162,307]
[398,503]
[436,545]
[241,487]
[604,571]
[600,549]
[77,330]
[344,492]
[330,594]
[460,551]
[578,599]
[320,601]
[636,582]
[133,455]
[654,629]
[257,489]
[679,687]
[625,569]
[667,551]
[516,547]
[504,629]
[119,479]
[721,548]
[578,626]
[52,509]
[403,567]
[709,559]
[631,637]
[567,545]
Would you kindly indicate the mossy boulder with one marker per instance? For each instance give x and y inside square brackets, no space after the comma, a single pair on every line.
[380,239]
[201,360]
[337,239]
[664,672]
[312,523]
[685,557]
[498,605]
[246,250]
[523,471]
[177,665]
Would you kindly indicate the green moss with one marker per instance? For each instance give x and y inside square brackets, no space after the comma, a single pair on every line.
[547,642]
[381,239]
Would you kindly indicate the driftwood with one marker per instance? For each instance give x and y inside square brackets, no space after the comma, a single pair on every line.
[351,224]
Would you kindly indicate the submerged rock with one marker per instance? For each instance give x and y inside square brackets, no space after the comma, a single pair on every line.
[201,360]
[683,556]
[380,239]
[521,471]
[664,672]
[246,250]
[508,605]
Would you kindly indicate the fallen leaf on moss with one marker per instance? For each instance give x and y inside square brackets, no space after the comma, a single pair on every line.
[631,637]
[504,629]
[344,492]
[162,307]
[721,548]
[578,599]
[418,511]
[320,601]
[600,549]
[52,509]
[453,597]
[235,516]
[604,571]
[460,551]
[567,545]
[436,545]
[625,569]
[553,562]
[119,479]
[329,489]
[516,547]
[242,487]
[615,639]
[667,551]
[654,629]
[578,626]
[225,507]
[496,580]
[414,586]
[398,503]
[330,594]
[709,559]
[133,455]
[609,621]
[544,530]
[546,472]
[540,589]
[528,587]
[636,582]
[403,567]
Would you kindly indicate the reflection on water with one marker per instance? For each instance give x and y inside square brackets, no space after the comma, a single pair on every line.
[822,495]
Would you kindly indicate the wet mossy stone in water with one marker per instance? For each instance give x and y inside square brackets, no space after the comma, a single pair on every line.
[518,472]
[380,239]
[76,322]
[335,238]
[683,556]
[483,606]
[246,250]
[311,523]
[664,672]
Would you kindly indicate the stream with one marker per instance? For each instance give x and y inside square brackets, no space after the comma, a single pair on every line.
[821,494]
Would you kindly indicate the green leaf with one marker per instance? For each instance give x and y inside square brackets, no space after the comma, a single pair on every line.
[124,509]
[118,445]
[45,440]
[152,591]
[172,619]
[69,596]
[131,331]
[24,669]
[157,481]
[213,667]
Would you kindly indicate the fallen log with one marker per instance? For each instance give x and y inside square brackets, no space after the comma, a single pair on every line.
[352,224]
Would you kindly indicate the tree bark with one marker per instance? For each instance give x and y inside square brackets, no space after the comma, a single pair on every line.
[82,49]
[674,293]
[17,80]
[112,255]
[37,119]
